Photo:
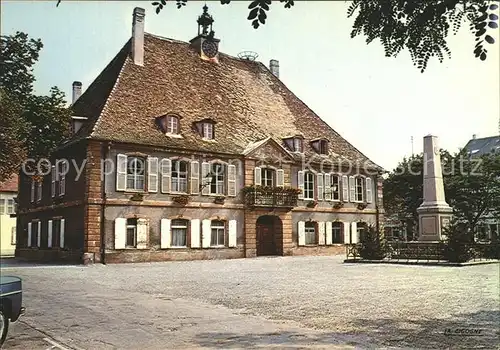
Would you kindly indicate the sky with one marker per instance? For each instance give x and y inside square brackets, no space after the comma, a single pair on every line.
[377,103]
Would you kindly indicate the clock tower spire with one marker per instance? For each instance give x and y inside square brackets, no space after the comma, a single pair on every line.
[205,42]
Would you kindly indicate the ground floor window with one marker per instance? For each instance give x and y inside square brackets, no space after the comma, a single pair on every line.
[34,233]
[56,232]
[131,238]
[179,233]
[310,233]
[337,232]
[218,233]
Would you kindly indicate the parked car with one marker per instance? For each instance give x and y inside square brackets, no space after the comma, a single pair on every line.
[11,301]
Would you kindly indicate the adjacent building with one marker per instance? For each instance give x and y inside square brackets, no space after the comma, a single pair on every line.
[179,151]
[489,228]
[8,193]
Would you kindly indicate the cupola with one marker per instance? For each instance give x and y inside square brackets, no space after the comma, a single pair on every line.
[205,42]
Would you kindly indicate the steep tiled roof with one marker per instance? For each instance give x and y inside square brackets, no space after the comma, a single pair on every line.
[9,185]
[485,145]
[245,99]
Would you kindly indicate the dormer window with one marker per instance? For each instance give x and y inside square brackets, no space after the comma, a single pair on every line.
[208,131]
[206,128]
[295,144]
[172,124]
[320,146]
[169,124]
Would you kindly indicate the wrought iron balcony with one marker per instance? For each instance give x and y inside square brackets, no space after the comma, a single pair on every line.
[273,197]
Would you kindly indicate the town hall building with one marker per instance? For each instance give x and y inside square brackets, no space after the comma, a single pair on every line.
[179,152]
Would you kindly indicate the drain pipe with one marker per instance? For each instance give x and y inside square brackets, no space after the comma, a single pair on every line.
[104,155]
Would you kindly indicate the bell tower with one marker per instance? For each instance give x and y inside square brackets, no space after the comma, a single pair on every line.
[205,42]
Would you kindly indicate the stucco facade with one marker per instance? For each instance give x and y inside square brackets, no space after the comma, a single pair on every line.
[156,174]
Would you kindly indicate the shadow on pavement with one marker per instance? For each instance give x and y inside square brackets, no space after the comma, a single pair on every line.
[463,331]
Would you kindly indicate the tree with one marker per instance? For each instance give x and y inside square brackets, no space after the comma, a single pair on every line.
[32,126]
[472,187]
[11,136]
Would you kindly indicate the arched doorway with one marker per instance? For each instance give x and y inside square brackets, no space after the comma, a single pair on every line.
[269,235]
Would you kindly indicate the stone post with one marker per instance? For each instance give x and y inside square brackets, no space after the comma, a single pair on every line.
[434,213]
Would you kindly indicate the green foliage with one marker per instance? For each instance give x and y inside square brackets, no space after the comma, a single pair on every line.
[421,27]
[18,55]
[34,125]
[457,245]
[11,139]
[373,245]
[472,187]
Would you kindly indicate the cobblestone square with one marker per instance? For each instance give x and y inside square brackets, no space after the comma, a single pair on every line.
[282,302]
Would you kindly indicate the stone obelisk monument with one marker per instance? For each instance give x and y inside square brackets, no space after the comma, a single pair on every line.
[434,213]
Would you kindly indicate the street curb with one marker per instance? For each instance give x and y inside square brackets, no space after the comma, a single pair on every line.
[420,262]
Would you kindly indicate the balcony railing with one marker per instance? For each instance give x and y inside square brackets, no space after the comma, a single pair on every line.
[274,197]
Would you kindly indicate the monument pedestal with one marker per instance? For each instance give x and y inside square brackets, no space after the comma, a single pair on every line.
[432,219]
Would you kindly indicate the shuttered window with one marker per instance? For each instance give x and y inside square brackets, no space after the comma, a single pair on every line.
[308,185]
[179,176]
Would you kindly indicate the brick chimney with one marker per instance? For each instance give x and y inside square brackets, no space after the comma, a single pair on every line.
[77,91]
[474,136]
[274,67]
[138,36]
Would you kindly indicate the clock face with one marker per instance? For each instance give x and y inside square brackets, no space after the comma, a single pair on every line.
[209,48]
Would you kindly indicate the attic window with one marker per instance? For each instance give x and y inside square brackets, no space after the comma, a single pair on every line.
[320,146]
[206,128]
[295,144]
[169,124]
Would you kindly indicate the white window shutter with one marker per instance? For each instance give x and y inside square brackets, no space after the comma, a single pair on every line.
[166,233]
[62,178]
[320,186]
[120,233]
[345,188]
[231,180]
[53,180]
[206,233]
[195,177]
[195,233]
[29,234]
[302,232]
[121,172]
[166,169]
[369,190]
[329,236]
[300,183]
[354,232]
[232,233]
[32,190]
[39,190]
[39,235]
[328,188]
[352,189]
[205,170]
[280,178]
[61,234]
[49,234]
[152,174]
[347,229]
[142,233]
[321,233]
[257,176]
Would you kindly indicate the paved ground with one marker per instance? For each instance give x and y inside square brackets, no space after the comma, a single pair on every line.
[291,302]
